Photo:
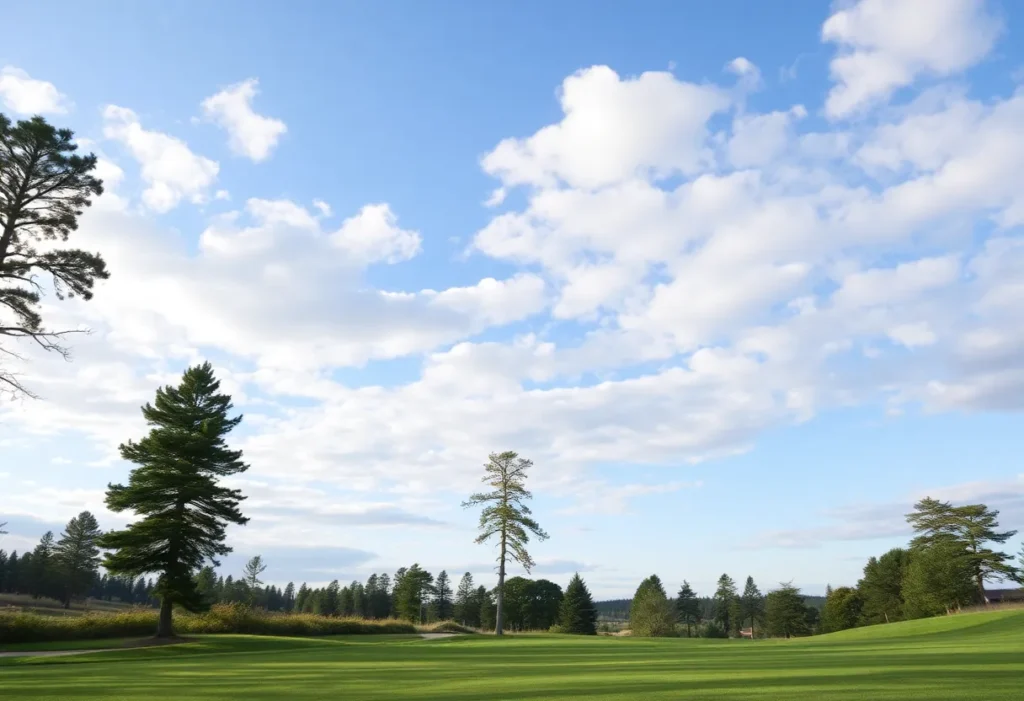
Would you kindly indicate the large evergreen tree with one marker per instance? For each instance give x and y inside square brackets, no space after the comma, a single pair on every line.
[44,186]
[506,516]
[751,605]
[785,614]
[725,603]
[411,592]
[650,613]
[687,607]
[175,489]
[78,556]
[578,615]
[971,527]
[467,608]
[442,604]
[545,604]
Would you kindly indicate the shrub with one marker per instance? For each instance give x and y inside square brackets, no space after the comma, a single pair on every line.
[222,618]
[713,629]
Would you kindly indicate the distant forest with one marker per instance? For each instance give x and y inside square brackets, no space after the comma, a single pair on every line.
[618,609]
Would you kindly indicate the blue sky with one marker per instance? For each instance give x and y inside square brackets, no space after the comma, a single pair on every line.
[743,284]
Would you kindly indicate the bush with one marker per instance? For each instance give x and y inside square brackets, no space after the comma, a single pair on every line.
[222,618]
[556,629]
[712,629]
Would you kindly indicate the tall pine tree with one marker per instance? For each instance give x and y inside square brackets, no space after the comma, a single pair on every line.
[467,608]
[184,510]
[751,605]
[442,604]
[44,186]
[506,516]
[725,603]
[78,557]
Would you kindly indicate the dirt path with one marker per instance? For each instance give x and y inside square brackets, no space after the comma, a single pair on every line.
[435,636]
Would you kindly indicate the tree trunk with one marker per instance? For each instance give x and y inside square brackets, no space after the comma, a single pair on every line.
[499,613]
[164,628]
[981,588]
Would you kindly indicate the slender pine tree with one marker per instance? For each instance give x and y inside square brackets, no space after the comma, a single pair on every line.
[506,516]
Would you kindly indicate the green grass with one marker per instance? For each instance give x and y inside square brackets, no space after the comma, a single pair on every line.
[971,657]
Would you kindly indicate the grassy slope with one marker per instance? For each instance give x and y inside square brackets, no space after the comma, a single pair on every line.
[972,657]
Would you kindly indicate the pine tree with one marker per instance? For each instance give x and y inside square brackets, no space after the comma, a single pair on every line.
[253,569]
[44,186]
[506,516]
[302,599]
[725,603]
[77,556]
[785,613]
[411,592]
[442,602]
[175,488]
[42,574]
[465,600]
[751,605]
[970,527]
[488,611]
[687,607]
[650,613]
[578,615]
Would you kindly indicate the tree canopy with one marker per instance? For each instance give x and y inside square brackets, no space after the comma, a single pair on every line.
[175,489]
[44,187]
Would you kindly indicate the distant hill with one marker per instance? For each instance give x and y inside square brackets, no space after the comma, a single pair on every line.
[618,609]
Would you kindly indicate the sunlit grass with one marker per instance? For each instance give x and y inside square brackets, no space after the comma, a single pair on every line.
[978,657]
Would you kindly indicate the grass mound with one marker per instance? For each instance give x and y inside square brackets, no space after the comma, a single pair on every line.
[447,627]
[964,625]
[27,627]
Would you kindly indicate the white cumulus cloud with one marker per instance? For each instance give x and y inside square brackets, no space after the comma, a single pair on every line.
[249,134]
[26,95]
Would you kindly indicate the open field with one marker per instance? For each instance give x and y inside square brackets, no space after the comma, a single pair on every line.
[975,656]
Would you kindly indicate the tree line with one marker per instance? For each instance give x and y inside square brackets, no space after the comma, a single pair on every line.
[943,568]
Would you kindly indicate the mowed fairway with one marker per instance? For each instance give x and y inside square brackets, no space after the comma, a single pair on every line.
[971,656]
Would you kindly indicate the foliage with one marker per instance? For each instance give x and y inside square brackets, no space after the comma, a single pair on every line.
[77,555]
[751,605]
[578,615]
[488,611]
[411,592]
[44,187]
[442,606]
[687,607]
[253,569]
[785,614]
[221,618]
[970,527]
[881,587]
[175,489]
[725,603]
[467,606]
[506,516]
[843,609]
[939,579]
[651,615]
